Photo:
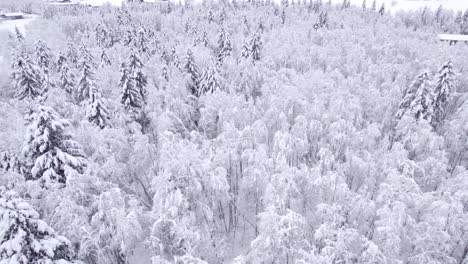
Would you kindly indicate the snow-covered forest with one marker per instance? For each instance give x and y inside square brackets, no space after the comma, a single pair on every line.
[241,132]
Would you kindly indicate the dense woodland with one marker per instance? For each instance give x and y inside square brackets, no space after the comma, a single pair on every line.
[234,132]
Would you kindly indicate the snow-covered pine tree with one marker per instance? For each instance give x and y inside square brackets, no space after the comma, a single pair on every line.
[344,5]
[283,17]
[49,151]
[192,72]
[422,107]
[133,82]
[26,239]
[382,9]
[443,88]
[165,73]
[101,35]
[44,60]
[66,76]
[96,109]
[245,51]
[87,78]
[374,6]
[72,53]
[26,76]
[323,19]
[222,16]
[364,5]
[43,56]
[19,37]
[210,80]
[205,40]
[410,94]
[224,44]
[141,41]
[105,61]
[438,14]
[256,46]
[210,16]
[9,161]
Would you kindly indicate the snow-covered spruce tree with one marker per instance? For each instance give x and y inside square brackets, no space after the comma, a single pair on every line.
[245,53]
[210,80]
[323,19]
[374,6]
[224,44]
[210,16]
[418,99]
[105,61]
[44,60]
[96,109]
[87,78]
[133,82]
[101,35]
[49,151]
[192,72]
[222,16]
[422,107]
[443,88]
[283,17]
[72,53]
[26,76]
[256,46]
[43,56]
[26,239]
[205,40]
[382,9]
[66,77]
[9,161]
[141,41]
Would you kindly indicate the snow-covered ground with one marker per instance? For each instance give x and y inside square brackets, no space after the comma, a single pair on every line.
[9,25]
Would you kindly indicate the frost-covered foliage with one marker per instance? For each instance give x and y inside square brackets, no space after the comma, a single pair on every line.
[24,238]
[49,150]
[241,132]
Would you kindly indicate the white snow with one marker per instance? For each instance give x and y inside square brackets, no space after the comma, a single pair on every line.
[408,5]
[453,37]
[9,25]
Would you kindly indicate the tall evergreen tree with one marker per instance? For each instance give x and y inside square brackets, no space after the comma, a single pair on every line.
[382,9]
[72,53]
[96,109]
[49,150]
[87,78]
[224,45]
[9,161]
[210,80]
[67,78]
[44,60]
[443,88]
[26,239]
[141,41]
[26,76]
[256,46]
[192,72]
[43,56]
[418,99]
[133,82]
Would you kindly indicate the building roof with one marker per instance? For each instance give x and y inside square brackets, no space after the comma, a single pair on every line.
[453,37]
